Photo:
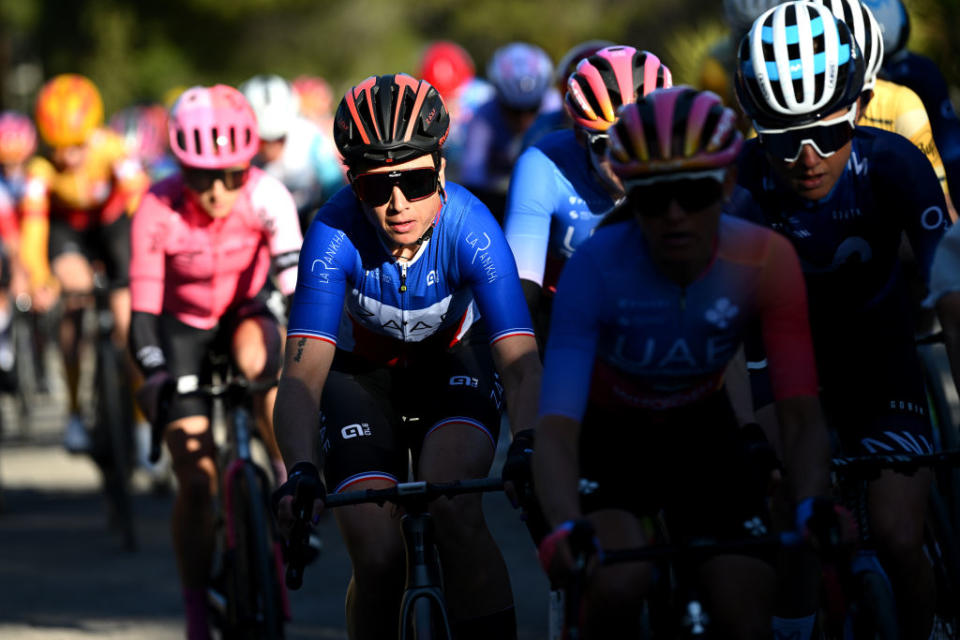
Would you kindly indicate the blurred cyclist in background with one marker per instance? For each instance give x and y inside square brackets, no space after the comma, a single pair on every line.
[922,75]
[144,131]
[522,75]
[18,143]
[292,148]
[76,210]
[204,242]
[562,186]
[558,118]
[315,98]
[450,69]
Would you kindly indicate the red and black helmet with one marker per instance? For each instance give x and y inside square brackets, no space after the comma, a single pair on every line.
[390,119]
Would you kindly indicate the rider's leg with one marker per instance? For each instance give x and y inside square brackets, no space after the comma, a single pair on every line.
[190,442]
[740,594]
[614,591]
[256,351]
[475,575]
[372,536]
[897,506]
[76,280]
[361,449]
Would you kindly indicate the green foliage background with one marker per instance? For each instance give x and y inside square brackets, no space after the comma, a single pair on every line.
[136,50]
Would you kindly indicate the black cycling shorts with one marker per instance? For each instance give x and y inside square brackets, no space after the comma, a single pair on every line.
[689,461]
[188,352]
[872,393]
[374,417]
[110,244]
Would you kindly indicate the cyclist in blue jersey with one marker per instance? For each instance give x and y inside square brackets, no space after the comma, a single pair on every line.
[843,195]
[521,74]
[561,187]
[407,305]
[923,76]
[558,119]
[649,312]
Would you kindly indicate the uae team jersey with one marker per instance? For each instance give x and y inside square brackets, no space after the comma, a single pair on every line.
[352,292]
[625,336]
[555,202]
[196,267]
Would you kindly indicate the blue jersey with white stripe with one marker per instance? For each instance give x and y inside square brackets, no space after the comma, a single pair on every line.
[848,242]
[352,292]
[555,202]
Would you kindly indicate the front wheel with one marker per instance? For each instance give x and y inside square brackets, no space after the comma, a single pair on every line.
[425,620]
[255,596]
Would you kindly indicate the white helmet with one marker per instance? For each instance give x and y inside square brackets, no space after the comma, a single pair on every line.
[521,73]
[865,29]
[894,23]
[274,102]
[740,14]
[797,65]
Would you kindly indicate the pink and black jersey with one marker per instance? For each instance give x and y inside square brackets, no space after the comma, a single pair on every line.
[195,267]
[625,336]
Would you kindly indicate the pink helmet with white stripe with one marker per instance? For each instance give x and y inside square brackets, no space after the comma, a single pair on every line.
[672,131]
[608,79]
[213,128]
[18,138]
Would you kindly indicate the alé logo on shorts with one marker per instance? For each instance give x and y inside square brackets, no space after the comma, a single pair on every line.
[722,312]
[464,381]
[355,430]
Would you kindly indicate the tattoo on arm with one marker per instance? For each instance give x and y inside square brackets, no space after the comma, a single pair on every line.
[300,344]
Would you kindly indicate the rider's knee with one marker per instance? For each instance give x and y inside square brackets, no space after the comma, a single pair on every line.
[458,520]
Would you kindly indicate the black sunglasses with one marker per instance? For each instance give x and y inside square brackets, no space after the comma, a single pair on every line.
[598,143]
[653,200]
[202,179]
[376,188]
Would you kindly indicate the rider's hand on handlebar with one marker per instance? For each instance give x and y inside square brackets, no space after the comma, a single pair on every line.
[830,527]
[152,393]
[303,482]
[516,474]
[571,548]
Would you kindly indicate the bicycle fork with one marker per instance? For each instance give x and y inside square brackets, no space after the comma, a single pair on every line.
[423,573]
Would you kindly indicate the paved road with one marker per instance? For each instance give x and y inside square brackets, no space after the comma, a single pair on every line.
[63,573]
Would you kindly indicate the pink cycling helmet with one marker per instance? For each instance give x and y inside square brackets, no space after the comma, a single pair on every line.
[606,80]
[18,137]
[213,128]
[673,131]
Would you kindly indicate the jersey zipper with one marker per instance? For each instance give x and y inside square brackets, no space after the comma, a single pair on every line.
[683,299]
[403,295]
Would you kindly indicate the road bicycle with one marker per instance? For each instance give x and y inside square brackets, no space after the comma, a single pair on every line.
[247,597]
[112,433]
[871,610]
[423,612]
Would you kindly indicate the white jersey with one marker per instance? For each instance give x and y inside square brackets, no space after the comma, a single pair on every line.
[309,166]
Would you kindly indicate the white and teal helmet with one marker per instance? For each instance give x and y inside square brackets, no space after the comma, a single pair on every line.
[856,15]
[797,65]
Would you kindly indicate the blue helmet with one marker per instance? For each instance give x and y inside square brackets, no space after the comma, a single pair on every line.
[521,73]
[894,22]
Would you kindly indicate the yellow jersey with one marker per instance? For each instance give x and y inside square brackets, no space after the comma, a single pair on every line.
[109,184]
[898,109]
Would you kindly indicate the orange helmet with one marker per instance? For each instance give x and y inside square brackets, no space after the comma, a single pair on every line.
[69,109]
